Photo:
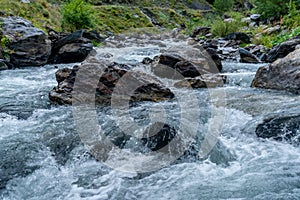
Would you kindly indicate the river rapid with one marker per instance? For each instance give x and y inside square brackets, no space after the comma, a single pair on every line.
[43,158]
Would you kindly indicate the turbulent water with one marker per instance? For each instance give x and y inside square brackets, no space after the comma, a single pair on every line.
[42,156]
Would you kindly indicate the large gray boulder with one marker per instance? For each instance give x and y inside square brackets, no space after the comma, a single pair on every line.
[30,46]
[283,74]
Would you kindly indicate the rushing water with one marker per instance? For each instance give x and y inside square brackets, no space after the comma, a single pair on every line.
[42,157]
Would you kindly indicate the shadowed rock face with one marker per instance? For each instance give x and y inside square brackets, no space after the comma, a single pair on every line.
[247,57]
[283,74]
[282,50]
[71,48]
[112,79]
[280,128]
[30,45]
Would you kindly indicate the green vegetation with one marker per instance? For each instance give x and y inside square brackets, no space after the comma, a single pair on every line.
[77,14]
[223,6]
[220,28]
[274,8]
[39,12]
[148,16]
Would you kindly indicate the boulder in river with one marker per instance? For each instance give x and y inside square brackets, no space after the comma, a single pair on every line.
[110,80]
[30,46]
[282,50]
[175,66]
[283,74]
[247,57]
[71,48]
[282,128]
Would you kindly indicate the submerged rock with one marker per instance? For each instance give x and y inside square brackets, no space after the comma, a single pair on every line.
[135,86]
[282,128]
[30,46]
[283,74]
[158,135]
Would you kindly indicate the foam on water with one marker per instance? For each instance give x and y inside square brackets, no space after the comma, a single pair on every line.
[43,158]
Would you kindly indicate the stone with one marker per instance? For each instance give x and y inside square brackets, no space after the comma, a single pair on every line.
[272,30]
[283,49]
[201,31]
[255,17]
[238,36]
[158,135]
[174,65]
[282,128]
[146,88]
[71,48]
[247,57]
[93,35]
[3,66]
[30,46]
[283,74]
[203,81]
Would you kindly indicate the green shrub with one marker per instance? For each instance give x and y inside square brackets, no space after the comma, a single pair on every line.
[221,28]
[293,18]
[274,8]
[76,14]
[223,6]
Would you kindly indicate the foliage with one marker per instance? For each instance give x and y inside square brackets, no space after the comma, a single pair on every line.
[77,14]
[223,5]
[292,20]
[272,40]
[221,28]
[40,12]
[274,8]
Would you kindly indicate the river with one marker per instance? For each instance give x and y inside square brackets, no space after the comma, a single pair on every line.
[42,156]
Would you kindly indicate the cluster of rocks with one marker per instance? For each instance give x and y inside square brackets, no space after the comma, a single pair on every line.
[186,72]
[30,46]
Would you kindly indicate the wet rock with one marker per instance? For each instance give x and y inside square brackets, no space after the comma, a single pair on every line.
[158,135]
[215,57]
[238,36]
[3,66]
[282,50]
[201,31]
[61,143]
[93,35]
[283,74]
[71,48]
[29,45]
[203,81]
[247,57]
[282,128]
[174,66]
[133,87]
[147,61]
